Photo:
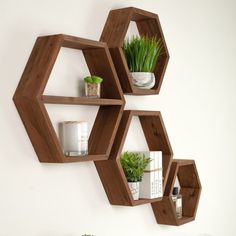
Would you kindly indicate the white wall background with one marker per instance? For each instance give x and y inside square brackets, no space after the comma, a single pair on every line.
[197,101]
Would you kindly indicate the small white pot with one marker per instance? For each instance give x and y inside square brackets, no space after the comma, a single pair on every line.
[134,188]
[144,80]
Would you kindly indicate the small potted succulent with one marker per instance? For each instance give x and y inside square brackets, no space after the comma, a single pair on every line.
[93,86]
[142,54]
[134,164]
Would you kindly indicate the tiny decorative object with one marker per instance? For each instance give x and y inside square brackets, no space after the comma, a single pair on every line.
[74,137]
[93,86]
[142,54]
[177,199]
[133,164]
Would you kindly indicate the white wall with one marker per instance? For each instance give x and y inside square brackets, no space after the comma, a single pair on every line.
[197,101]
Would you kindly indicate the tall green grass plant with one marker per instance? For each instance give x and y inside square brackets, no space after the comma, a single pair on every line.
[142,53]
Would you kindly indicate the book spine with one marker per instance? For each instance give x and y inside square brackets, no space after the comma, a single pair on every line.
[159,174]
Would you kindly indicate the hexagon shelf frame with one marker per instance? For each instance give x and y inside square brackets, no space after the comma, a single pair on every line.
[29,98]
[164,210]
[114,32]
[111,172]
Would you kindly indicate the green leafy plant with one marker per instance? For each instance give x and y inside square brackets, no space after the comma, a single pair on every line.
[134,165]
[142,53]
[93,79]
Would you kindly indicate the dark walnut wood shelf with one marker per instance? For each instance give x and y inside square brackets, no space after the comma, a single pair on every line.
[30,101]
[190,189]
[85,158]
[81,101]
[114,33]
[111,172]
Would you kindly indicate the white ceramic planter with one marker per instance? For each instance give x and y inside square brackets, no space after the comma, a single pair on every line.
[134,188]
[144,80]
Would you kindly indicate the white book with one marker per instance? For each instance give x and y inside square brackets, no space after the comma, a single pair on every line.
[160,184]
[148,188]
[159,169]
[151,185]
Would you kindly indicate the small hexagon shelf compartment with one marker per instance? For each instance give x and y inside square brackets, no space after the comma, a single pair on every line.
[29,98]
[111,172]
[190,189]
[113,34]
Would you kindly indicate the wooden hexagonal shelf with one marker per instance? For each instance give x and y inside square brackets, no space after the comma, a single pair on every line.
[111,172]
[114,32]
[29,98]
[190,189]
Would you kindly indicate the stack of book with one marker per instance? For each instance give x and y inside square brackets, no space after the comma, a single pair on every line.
[151,185]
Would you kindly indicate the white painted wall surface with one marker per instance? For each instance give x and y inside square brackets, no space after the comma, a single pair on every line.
[197,101]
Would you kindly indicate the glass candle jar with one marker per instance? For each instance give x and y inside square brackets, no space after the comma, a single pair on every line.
[177,199]
[74,138]
[93,90]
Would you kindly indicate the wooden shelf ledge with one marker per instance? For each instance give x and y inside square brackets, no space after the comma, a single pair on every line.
[69,159]
[81,101]
[145,201]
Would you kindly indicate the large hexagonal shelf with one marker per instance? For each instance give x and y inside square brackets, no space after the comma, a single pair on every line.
[114,32]
[111,172]
[29,98]
[190,189]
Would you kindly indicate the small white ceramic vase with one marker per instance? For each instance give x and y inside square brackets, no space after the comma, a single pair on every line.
[144,80]
[134,188]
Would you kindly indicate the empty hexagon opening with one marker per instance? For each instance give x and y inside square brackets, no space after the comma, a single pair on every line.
[66,78]
[135,139]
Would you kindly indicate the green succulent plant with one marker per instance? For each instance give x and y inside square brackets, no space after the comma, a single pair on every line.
[93,79]
[134,165]
[142,53]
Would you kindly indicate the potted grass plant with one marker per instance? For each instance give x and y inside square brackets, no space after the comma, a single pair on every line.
[134,164]
[93,86]
[142,54]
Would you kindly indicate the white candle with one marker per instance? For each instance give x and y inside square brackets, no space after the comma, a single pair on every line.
[74,138]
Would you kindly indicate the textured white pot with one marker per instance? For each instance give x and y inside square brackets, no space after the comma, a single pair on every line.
[144,80]
[134,188]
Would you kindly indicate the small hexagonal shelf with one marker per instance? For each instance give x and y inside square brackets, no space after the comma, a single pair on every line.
[114,33]
[190,189]
[29,98]
[111,172]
